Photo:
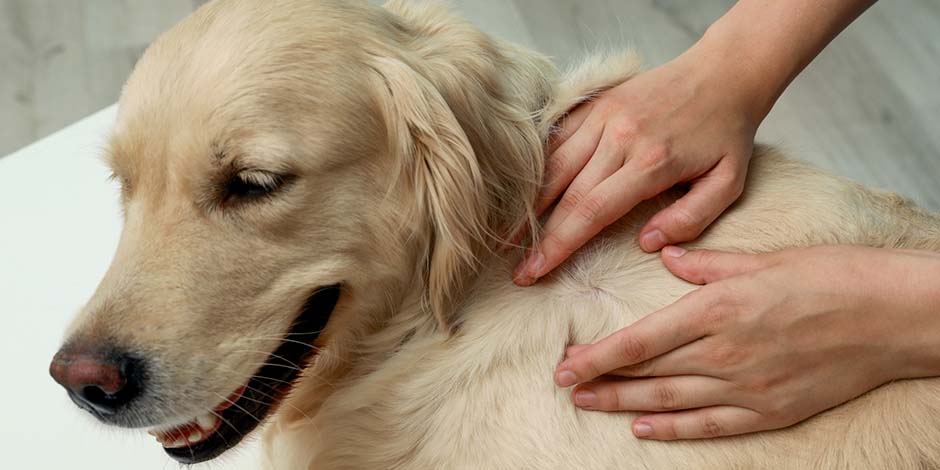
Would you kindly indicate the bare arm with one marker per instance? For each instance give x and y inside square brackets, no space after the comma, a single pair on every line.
[773,41]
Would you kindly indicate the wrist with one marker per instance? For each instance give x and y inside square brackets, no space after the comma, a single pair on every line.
[925,303]
[725,54]
[911,300]
[764,44]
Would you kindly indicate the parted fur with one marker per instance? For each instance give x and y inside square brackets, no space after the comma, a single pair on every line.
[417,144]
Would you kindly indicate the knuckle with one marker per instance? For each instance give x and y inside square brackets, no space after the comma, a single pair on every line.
[670,430]
[760,387]
[731,178]
[631,348]
[612,398]
[765,385]
[557,164]
[590,210]
[688,224]
[666,396]
[627,130]
[725,356]
[571,200]
[712,426]
[592,367]
[714,317]
[776,414]
[655,157]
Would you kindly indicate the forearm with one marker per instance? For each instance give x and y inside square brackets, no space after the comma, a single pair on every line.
[762,45]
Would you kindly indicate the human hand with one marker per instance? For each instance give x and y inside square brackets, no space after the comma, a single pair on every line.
[683,122]
[769,341]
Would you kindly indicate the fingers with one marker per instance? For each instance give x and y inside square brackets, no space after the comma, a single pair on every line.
[564,164]
[685,219]
[657,394]
[686,360]
[704,267]
[606,161]
[654,335]
[567,126]
[701,423]
[604,204]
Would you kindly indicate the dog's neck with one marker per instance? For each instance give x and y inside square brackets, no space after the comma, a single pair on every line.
[506,105]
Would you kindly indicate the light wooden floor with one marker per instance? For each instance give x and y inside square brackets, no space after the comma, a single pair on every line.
[868,107]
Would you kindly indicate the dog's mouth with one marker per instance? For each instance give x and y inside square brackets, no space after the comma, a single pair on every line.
[208,436]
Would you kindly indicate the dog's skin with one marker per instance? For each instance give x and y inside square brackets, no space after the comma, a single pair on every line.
[404,144]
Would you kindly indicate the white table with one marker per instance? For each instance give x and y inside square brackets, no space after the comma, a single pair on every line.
[59,226]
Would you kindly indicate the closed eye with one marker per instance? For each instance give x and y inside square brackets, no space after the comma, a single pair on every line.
[251,185]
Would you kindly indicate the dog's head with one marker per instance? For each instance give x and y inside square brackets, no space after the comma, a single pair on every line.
[292,171]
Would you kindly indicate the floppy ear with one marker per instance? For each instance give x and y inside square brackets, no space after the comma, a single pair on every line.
[439,167]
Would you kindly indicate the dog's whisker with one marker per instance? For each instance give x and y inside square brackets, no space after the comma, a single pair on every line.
[269,364]
[288,361]
[236,405]
[249,387]
[303,333]
[284,340]
[322,352]
[234,428]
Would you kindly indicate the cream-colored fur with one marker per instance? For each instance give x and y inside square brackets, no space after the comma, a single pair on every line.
[416,143]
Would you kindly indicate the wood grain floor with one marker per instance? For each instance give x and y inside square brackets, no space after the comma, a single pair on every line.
[867,108]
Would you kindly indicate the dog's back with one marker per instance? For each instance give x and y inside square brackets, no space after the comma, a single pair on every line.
[485,397]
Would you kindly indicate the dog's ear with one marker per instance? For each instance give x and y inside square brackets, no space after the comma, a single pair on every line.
[438,165]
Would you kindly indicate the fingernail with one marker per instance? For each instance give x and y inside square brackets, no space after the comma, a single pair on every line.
[585,399]
[652,241]
[566,378]
[535,264]
[674,251]
[642,430]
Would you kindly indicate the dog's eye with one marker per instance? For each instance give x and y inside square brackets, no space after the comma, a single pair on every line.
[253,184]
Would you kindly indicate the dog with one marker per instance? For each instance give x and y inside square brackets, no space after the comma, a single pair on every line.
[315,197]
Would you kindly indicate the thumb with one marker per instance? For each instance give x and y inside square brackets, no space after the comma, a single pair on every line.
[705,266]
[691,214]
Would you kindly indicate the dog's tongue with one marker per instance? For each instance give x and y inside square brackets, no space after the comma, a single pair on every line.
[199,429]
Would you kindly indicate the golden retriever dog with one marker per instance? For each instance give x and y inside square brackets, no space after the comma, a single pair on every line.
[316,195]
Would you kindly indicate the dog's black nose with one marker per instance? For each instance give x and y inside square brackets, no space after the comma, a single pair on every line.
[99,383]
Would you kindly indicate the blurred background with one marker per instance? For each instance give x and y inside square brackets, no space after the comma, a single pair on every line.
[868,107]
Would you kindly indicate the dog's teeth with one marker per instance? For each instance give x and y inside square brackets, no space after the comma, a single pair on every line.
[192,433]
[207,422]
